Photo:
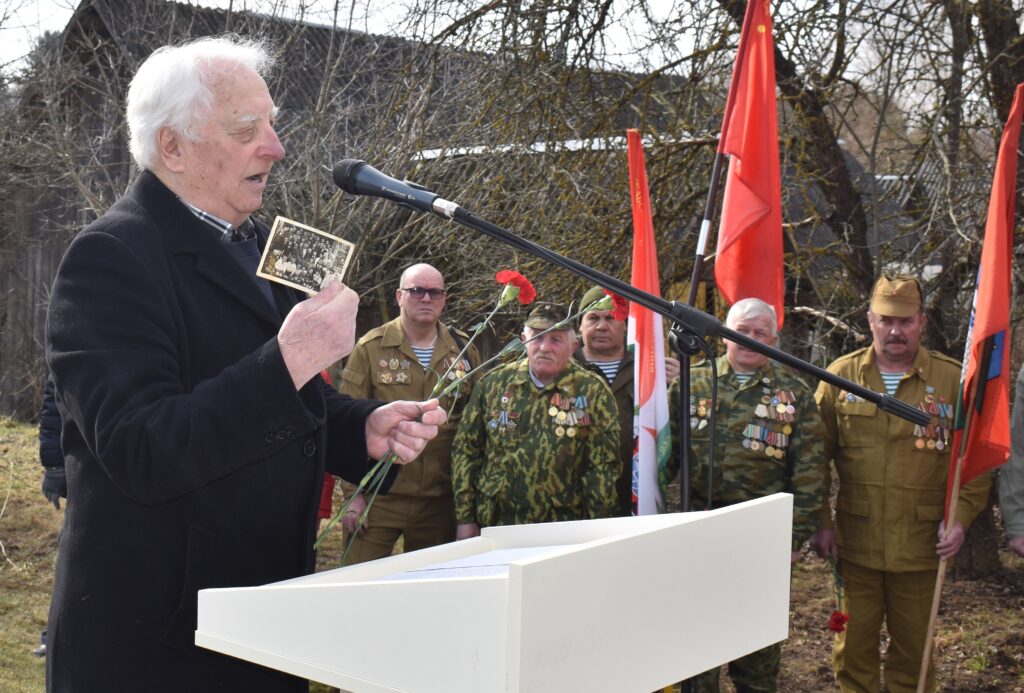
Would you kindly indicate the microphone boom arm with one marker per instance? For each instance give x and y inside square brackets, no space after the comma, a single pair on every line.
[358,178]
[691,319]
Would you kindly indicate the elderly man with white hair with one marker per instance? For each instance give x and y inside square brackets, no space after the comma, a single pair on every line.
[768,438]
[196,428]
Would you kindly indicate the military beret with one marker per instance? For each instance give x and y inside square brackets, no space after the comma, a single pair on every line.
[544,315]
[594,294]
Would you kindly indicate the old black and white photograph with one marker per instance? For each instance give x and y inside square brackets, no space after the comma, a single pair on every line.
[301,257]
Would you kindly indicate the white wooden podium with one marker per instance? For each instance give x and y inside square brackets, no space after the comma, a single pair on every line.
[617,605]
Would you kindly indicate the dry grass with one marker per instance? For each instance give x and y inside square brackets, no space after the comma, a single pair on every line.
[979,641]
[28,535]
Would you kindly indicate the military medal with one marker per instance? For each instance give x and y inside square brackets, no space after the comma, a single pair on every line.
[393,364]
[568,413]
[383,363]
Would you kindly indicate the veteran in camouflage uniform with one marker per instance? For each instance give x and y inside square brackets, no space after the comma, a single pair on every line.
[892,475]
[768,440]
[603,348]
[539,438]
[385,366]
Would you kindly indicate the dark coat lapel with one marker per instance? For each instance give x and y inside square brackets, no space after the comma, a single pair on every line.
[186,235]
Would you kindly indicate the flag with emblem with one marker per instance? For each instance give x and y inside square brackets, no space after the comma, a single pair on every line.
[981,440]
[749,255]
[652,439]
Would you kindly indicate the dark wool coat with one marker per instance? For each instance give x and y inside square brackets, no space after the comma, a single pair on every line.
[49,430]
[192,462]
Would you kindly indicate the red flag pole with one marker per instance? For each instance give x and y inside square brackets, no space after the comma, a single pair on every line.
[940,577]
[716,167]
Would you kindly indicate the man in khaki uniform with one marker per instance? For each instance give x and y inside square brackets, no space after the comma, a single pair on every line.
[392,362]
[603,347]
[892,491]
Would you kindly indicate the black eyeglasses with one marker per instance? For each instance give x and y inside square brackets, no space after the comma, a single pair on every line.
[418,292]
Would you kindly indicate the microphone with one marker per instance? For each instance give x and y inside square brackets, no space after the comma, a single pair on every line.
[359,178]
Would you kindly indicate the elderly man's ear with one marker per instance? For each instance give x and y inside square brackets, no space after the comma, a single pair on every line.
[171,154]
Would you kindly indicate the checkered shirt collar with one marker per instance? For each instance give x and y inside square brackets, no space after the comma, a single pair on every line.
[228,232]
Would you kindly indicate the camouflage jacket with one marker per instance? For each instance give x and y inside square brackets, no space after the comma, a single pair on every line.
[383,366]
[768,439]
[525,454]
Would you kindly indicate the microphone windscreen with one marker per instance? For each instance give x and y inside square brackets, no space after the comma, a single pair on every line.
[344,174]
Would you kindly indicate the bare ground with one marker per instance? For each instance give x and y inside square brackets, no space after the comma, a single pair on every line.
[979,638]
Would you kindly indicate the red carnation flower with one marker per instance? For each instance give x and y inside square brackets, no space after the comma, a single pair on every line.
[837,621]
[510,277]
[621,309]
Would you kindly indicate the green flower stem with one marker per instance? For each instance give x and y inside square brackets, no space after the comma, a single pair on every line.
[480,328]
[374,479]
[515,345]
[838,581]
[377,473]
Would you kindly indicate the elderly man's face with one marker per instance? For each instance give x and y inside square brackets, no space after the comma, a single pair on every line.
[603,335]
[758,328]
[226,171]
[896,339]
[548,355]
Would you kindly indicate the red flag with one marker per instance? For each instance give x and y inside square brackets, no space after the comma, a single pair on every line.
[749,260]
[652,436]
[987,354]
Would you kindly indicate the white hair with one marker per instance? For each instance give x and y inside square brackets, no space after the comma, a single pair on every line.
[171,88]
[752,308]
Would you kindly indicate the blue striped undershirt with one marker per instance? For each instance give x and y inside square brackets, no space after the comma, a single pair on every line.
[424,354]
[892,381]
[609,368]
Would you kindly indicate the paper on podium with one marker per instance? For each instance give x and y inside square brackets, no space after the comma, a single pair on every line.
[617,605]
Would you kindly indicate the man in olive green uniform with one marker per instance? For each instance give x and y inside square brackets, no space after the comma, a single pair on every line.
[538,439]
[603,346]
[395,361]
[767,440]
[892,491]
